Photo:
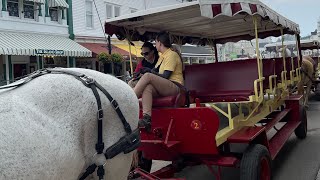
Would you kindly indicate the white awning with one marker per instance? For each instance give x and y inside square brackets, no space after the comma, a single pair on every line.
[40,45]
[58,3]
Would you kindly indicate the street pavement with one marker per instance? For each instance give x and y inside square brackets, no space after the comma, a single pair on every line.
[298,159]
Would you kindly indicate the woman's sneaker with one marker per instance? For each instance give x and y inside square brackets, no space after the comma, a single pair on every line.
[145,122]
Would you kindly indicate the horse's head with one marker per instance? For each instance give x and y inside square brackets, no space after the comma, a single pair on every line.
[307,77]
[287,52]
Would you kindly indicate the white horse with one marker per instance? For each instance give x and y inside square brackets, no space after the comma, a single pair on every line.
[48,127]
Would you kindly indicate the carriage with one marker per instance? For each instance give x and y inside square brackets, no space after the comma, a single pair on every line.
[313,45]
[306,45]
[226,103]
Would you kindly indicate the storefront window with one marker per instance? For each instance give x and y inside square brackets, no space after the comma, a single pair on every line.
[19,71]
[13,8]
[50,61]
[28,9]
[53,11]
[84,63]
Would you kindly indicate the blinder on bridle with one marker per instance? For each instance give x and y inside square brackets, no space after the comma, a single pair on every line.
[126,144]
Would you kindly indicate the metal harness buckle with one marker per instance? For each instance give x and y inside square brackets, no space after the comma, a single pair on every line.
[87,80]
[100,114]
[115,104]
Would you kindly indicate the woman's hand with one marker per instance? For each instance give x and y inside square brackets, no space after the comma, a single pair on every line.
[154,71]
[145,70]
[166,74]
[135,75]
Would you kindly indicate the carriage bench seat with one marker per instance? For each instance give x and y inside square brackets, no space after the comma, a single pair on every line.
[168,101]
[223,81]
[223,96]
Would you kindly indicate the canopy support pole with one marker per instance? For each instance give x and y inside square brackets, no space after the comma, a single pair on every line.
[216,52]
[298,49]
[128,37]
[259,61]
[213,47]
[283,51]
[109,44]
[130,56]
[318,55]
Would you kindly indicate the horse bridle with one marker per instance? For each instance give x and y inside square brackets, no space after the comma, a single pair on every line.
[126,144]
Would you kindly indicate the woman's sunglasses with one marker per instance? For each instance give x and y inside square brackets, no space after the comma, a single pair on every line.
[145,53]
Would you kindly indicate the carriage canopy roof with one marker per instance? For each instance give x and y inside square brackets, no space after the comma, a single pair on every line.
[305,44]
[309,44]
[202,22]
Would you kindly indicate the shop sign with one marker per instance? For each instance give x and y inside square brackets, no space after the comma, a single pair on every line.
[49,52]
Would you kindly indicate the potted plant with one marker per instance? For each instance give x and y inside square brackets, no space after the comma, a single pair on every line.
[104,58]
[117,60]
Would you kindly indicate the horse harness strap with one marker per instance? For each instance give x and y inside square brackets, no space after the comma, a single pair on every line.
[126,144]
[26,80]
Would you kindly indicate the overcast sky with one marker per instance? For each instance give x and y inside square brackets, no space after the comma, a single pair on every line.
[304,12]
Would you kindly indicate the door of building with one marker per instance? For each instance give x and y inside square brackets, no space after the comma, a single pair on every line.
[19,70]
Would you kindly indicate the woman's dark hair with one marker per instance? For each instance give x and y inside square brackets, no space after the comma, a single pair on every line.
[164,38]
[151,47]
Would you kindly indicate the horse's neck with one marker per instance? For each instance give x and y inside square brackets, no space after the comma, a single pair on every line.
[55,97]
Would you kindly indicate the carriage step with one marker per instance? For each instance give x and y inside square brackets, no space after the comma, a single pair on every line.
[169,144]
[279,139]
[225,161]
[166,172]
[246,134]
[276,119]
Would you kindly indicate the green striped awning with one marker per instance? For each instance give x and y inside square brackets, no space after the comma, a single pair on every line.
[58,3]
[40,45]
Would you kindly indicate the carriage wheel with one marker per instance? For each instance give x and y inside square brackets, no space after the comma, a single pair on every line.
[255,163]
[301,130]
